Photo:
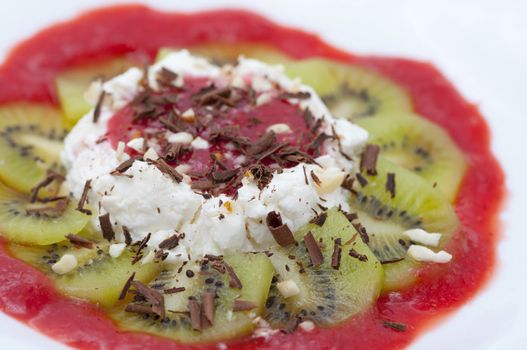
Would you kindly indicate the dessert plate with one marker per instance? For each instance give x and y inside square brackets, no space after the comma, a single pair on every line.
[480,48]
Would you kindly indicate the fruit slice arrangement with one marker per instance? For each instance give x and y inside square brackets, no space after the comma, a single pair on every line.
[385,110]
[337,267]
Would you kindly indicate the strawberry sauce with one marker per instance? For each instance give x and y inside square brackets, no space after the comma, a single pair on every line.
[28,73]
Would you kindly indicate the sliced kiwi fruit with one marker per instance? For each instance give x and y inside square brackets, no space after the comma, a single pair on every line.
[415,204]
[328,295]
[351,92]
[40,223]
[223,53]
[98,277]
[31,138]
[72,83]
[254,272]
[420,146]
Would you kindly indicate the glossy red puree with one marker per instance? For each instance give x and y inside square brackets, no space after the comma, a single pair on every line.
[28,73]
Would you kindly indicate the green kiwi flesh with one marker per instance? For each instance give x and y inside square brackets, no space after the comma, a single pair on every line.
[31,138]
[254,272]
[223,53]
[421,146]
[351,92]
[98,277]
[328,295]
[37,223]
[416,204]
[72,83]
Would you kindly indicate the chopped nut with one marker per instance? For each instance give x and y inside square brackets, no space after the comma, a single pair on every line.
[424,254]
[330,179]
[288,288]
[117,249]
[67,263]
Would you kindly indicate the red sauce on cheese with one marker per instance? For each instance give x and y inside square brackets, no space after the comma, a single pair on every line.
[252,121]
[29,296]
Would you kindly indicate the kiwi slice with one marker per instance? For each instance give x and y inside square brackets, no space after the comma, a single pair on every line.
[223,53]
[328,294]
[41,223]
[420,146]
[415,204]
[31,138]
[254,271]
[72,83]
[351,92]
[98,277]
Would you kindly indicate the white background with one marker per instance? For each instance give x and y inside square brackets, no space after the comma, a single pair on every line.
[480,45]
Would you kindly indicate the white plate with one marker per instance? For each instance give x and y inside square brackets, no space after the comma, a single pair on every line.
[480,45]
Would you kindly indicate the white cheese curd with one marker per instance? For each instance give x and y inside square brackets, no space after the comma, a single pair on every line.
[147,201]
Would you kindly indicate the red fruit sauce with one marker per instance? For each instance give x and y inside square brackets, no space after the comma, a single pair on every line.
[29,296]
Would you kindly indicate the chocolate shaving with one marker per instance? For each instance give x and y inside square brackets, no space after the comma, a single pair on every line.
[127,236]
[361,179]
[318,141]
[168,170]
[106,227]
[224,176]
[390,184]
[202,185]
[152,296]
[337,252]
[354,254]
[368,161]
[165,77]
[315,254]
[399,327]
[262,144]
[315,178]
[348,184]
[142,245]
[351,216]
[234,281]
[160,255]
[320,219]
[173,151]
[169,243]
[139,309]
[305,175]
[174,290]
[281,233]
[79,241]
[243,305]
[84,198]
[126,286]
[127,164]
[208,306]
[98,106]
[194,309]
[361,230]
